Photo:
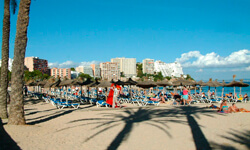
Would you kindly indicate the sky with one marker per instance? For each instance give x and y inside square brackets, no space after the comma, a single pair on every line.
[211,39]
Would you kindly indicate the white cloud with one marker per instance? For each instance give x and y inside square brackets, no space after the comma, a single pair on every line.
[71,64]
[211,60]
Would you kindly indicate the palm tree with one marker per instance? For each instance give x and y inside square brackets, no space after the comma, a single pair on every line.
[16,113]
[5,57]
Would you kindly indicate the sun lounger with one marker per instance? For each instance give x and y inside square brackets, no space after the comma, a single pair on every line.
[63,103]
[215,100]
[46,99]
[150,102]
[136,101]
[92,101]
[101,103]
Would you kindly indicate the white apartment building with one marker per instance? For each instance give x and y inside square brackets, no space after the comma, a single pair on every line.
[85,70]
[96,70]
[148,66]
[126,65]
[170,69]
[109,71]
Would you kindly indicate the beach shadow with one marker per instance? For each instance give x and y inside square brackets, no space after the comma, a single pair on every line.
[158,118]
[85,107]
[6,142]
[200,139]
[241,137]
[141,115]
[35,112]
[52,116]
[33,101]
[30,109]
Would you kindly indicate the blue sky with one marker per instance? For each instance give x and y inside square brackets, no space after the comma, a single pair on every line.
[207,37]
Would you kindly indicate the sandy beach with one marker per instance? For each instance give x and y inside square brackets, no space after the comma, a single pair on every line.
[164,127]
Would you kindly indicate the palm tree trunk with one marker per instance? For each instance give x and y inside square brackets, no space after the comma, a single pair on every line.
[5,59]
[16,114]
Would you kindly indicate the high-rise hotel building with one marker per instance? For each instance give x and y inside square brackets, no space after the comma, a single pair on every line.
[86,70]
[148,66]
[109,71]
[61,72]
[170,69]
[34,63]
[126,65]
[96,70]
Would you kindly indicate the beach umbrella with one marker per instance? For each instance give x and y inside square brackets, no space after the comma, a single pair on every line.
[164,83]
[41,83]
[31,83]
[195,84]
[217,84]
[210,83]
[201,83]
[57,83]
[66,82]
[223,84]
[243,84]
[49,83]
[94,84]
[52,82]
[104,84]
[130,82]
[182,82]
[81,82]
[119,82]
[146,84]
[234,83]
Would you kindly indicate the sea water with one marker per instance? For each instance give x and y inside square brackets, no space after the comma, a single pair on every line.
[218,90]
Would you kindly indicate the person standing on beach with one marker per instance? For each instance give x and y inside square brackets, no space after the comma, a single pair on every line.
[25,90]
[184,95]
[116,94]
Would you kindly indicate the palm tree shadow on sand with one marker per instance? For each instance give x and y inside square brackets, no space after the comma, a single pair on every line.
[6,142]
[241,137]
[158,118]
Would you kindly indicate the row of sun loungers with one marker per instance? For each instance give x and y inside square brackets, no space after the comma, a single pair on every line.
[137,100]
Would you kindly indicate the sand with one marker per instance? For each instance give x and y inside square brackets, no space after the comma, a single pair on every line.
[132,127]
